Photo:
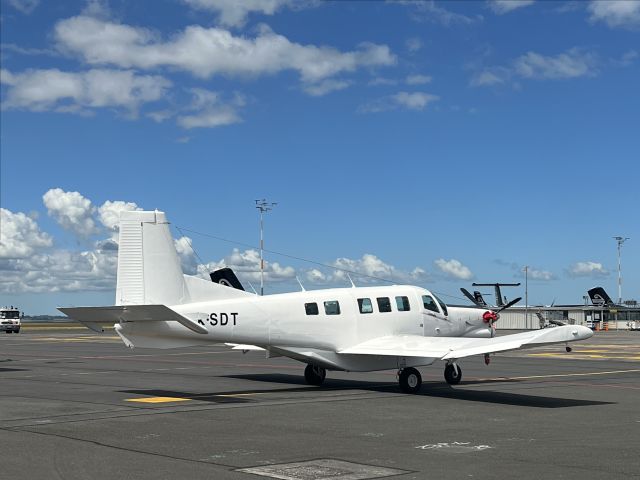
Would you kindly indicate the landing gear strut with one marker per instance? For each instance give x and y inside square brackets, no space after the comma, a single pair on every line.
[314,375]
[452,374]
[410,380]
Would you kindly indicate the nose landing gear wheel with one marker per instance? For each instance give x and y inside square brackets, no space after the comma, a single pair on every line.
[410,380]
[314,375]
[452,374]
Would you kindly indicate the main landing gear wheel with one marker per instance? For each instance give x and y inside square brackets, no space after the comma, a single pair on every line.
[410,380]
[452,374]
[314,375]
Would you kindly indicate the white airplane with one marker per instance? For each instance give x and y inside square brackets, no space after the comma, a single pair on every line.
[357,329]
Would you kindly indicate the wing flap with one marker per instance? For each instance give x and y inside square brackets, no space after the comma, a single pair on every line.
[446,348]
[90,316]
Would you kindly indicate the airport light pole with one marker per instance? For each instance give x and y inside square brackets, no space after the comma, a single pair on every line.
[264,207]
[526,296]
[620,241]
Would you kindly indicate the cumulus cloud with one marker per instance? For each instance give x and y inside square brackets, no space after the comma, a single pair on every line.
[367,269]
[454,269]
[615,13]
[20,235]
[71,210]
[109,213]
[204,52]
[234,13]
[573,63]
[501,7]
[246,264]
[53,89]
[534,273]
[59,271]
[587,269]
[400,100]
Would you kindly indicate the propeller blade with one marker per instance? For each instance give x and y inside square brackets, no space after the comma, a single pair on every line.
[471,297]
[510,304]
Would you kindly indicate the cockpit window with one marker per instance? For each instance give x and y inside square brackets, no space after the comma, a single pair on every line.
[443,306]
[429,303]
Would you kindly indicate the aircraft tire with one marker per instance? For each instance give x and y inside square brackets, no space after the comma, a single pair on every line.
[452,374]
[410,380]
[314,375]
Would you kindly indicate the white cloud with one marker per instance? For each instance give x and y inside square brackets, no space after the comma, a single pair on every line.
[210,51]
[490,76]
[20,235]
[109,212]
[71,210]
[326,86]
[61,270]
[454,269]
[571,64]
[24,6]
[382,81]
[403,100]
[246,264]
[587,269]
[429,11]
[367,269]
[505,6]
[234,13]
[538,274]
[615,13]
[209,110]
[40,90]
[418,79]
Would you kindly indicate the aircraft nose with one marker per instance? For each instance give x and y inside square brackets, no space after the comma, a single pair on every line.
[582,332]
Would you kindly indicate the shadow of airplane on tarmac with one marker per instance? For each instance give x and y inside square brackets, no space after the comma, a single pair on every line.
[430,389]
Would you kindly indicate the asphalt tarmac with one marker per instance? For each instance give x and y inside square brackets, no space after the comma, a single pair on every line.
[77,405]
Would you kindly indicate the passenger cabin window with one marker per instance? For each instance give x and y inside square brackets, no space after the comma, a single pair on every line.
[332,307]
[403,304]
[384,304]
[311,308]
[365,306]
[429,303]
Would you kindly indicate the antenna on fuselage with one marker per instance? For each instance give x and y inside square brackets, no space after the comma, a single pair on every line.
[254,290]
[353,285]
[300,283]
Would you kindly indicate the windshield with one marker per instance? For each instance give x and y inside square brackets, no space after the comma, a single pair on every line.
[443,306]
[10,314]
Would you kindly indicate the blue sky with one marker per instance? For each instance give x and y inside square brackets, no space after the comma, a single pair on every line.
[432,143]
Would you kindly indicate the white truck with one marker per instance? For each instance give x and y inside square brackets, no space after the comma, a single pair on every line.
[10,319]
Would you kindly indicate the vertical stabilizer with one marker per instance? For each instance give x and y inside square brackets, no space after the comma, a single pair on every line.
[149,270]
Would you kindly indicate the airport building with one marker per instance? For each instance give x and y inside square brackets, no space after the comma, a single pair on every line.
[597,317]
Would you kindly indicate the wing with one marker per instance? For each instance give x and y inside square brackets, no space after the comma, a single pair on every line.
[446,348]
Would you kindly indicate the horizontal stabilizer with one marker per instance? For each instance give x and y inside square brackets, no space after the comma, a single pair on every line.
[130,313]
[244,348]
[446,348]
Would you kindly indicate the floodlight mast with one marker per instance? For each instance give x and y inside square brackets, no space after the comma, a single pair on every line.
[264,207]
[620,241]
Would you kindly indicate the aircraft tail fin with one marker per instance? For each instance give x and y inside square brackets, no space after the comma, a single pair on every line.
[599,296]
[149,270]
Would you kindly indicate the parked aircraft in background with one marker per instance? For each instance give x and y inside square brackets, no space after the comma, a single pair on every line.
[354,329]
